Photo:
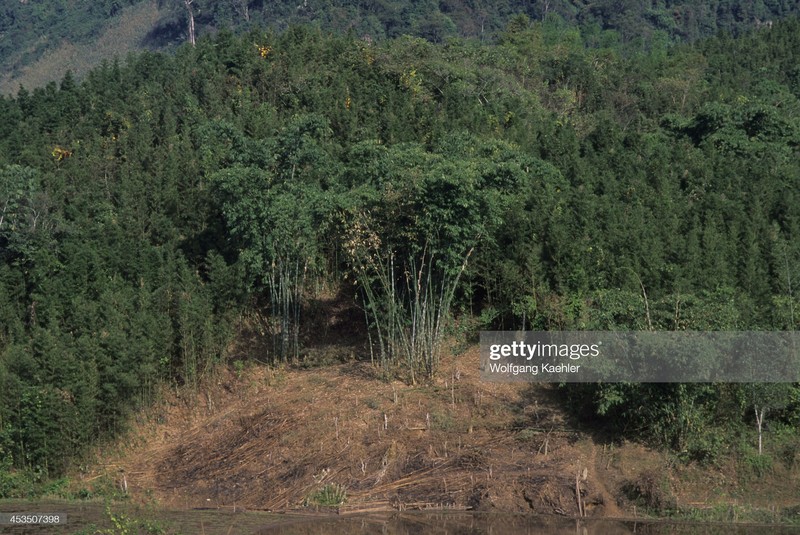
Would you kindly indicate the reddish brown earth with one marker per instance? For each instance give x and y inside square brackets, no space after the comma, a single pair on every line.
[268,439]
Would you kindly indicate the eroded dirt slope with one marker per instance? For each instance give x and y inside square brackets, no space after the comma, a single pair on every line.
[268,439]
[259,438]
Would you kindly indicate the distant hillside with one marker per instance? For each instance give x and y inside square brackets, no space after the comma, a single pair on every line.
[42,58]
[41,40]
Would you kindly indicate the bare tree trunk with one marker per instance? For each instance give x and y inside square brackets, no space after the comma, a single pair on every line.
[759,421]
[244,9]
[789,288]
[3,213]
[190,14]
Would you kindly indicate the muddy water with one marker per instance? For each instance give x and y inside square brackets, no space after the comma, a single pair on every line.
[87,518]
[506,524]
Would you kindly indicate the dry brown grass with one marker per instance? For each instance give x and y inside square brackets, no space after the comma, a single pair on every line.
[268,438]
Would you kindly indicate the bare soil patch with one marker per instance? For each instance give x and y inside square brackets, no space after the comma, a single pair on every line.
[270,438]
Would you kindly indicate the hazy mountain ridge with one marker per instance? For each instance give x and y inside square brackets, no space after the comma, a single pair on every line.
[40,41]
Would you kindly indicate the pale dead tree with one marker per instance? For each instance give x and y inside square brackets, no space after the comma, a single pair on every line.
[123,483]
[759,424]
[190,13]
[3,211]
[173,8]
[765,397]
[243,7]
[545,9]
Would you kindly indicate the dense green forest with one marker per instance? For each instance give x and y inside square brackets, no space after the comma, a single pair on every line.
[548,180]
[30,28]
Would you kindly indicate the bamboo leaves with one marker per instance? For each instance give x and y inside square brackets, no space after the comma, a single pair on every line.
[275,230]
[275,217]
[409,244]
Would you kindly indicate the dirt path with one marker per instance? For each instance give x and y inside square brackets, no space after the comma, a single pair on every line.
[596,475]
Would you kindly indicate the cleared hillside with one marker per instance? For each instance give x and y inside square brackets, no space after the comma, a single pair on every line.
[273,439]
[122,35]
